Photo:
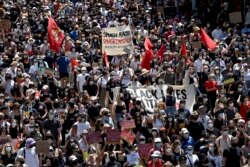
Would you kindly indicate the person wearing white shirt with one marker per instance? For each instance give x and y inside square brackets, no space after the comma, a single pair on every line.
[192,159]
[142,32]
[203,118]
[198,64]
[29,153]
[44,47]
[82,124]
[246,74]
[126,75]
[12,69]
[81,79]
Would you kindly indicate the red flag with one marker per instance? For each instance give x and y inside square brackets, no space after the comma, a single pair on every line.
[74,63]
[161,51]
[210,44]
[147,44]
[55,35]
[183,49]
[106,61]
[148,56]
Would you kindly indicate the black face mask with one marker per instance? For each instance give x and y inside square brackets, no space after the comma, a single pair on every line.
[56,105]
[112,159]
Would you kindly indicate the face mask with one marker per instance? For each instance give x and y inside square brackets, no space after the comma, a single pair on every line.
[190,152]
[234,144]
[155,66]
[222,95]
[83,119]
[231,105]
[186,136]
[168,150]
[83,72]
[225,133]
[210,125]
[248,125]
[8,149]
[45,41]
[200,57]
[154,133]
[13,124]
[217,59]
[142,142]
[27,79]
[51,117]
[91,82]
[240,89]
[158,145]
[211,149]
[179,147]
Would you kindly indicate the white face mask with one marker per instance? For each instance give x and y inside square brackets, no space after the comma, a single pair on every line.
[91,82]
[211,149]
[210,125]
[13,124]
[51,117]
[8,149]
[190,152]
[225,133]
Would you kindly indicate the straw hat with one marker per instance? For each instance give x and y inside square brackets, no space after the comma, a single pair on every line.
[237,116]
[196,28]
[144,71]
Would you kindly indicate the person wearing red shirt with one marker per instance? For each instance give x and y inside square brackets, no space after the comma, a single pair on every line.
[211,88]
[169,33]
[156,160]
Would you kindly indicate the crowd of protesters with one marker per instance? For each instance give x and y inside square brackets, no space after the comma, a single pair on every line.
[70,101]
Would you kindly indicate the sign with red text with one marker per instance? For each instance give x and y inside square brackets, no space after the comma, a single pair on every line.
[113,136]
[127,124]
[128,136]
[143,149]
[117,40]
[94,137]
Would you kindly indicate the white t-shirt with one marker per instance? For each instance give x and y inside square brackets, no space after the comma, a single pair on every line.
[82,126]
[133,158]
[191,159]
[102,82]
[81,81]
[31,158]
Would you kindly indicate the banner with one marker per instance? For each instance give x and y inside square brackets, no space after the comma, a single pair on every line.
[150,95]
[117,40]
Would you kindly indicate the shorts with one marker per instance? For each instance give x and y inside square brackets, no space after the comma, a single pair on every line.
[63,75]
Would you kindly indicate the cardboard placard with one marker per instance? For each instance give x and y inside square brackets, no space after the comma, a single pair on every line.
[143,149]
[49,71]
[229,81]
[128,136]
[235,17]
[5,24]
[196,45]
[127,124]
[42,146]
[94,137]
[113,136]
[160,9]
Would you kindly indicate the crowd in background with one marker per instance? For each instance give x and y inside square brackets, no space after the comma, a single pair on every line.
[70,101]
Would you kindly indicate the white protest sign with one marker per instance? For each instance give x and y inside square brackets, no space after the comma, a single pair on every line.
[117,40]
[150,95]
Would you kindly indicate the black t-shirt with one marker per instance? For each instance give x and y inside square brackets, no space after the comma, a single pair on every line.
[52,126]
[195,129]
[215,132]
[91,89]
[233,156]
[8,160]
[170,158]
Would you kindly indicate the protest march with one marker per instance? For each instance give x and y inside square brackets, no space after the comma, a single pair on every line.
[124,83]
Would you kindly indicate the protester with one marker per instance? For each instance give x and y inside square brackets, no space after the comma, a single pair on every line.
[124,83]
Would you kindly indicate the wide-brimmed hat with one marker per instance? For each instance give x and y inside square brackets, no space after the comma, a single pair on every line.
[156,154]
[237,116]
[144,71]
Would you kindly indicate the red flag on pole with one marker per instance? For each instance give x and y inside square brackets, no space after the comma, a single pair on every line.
[161,51]
[106,61]
[147,44]
[183,49]
[148,56]
[210,44]
[55,35]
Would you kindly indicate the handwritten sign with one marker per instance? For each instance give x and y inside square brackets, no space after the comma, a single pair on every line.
[128,136]
[113,136]
[196,44]
[143,149]
[42,146]
[49,71]
[229,81]
[127,124]
[5,24]
[235,17]
[94,137]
